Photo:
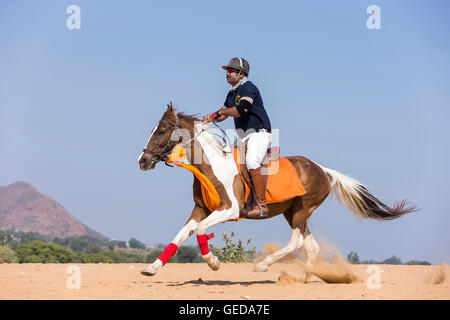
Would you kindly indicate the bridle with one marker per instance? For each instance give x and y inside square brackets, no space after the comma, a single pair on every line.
[163,154]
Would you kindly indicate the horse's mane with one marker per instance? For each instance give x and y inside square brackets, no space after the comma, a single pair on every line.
[188,117]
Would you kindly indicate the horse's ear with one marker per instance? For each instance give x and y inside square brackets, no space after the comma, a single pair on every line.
[170,108]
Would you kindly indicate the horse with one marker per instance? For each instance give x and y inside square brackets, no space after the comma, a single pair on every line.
[221,169]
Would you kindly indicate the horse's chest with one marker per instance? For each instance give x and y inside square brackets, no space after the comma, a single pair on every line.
[223,168]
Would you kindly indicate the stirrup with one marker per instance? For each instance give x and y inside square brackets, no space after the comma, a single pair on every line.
[261,212]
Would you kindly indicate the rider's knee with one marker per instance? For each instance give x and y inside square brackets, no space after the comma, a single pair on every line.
[253,164]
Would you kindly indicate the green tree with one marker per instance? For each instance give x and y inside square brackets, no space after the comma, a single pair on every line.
[121,244]
[233,252]
[76,244]
[31,236]
[40,252]
[392,260]
[136,244]
[353,258]
[4,235]
[92,248]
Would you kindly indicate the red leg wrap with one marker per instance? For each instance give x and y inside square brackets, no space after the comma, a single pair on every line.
[170,250]
[203,243]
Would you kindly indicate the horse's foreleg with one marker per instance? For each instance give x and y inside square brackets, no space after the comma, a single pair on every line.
[188,229]
[214,218]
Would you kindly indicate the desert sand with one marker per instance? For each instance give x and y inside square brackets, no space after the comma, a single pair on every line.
[234,281]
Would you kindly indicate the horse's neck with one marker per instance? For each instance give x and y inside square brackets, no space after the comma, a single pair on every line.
[206,149]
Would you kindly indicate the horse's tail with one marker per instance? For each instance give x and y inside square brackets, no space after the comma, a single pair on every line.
[354,196]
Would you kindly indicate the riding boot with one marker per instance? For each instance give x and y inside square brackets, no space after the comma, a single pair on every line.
[259,182]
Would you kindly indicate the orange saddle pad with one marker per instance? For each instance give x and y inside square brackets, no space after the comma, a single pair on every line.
[283,182]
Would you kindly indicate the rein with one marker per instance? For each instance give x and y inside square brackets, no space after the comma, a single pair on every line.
[163,154]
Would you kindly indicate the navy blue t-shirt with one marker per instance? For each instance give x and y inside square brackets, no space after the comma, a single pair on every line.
[256,117]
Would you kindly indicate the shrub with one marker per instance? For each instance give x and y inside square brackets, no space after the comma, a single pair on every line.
[417,262]
[113,255]
[40,252]
[7,255]
[152,256]
[233,252]
[186,254]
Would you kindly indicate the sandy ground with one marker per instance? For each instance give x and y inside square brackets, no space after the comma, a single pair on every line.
[232,281]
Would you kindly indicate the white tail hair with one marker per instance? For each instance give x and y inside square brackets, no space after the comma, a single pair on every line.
[354,196]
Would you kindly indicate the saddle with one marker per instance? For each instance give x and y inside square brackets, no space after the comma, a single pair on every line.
[283,182]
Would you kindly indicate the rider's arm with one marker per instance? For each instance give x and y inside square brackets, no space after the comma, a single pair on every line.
[240,110]
[222,115]
[228,112]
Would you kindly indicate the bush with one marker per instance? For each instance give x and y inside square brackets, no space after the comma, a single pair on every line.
[417,262]
[187,254]
[233,252]
[7,255]
[40,252]
[132,257]
[152,256]
[113,255]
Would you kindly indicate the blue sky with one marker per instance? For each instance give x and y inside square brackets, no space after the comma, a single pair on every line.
[77,106]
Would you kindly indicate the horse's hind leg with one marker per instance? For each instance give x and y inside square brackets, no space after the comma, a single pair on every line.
[312,251]
[295,242]
[296,217]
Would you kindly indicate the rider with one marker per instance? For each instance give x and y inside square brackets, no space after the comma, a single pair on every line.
[245,104]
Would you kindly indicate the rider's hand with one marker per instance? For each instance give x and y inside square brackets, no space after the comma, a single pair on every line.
[210,117]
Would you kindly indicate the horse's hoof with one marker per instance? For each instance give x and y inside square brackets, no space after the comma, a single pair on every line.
[261,267]
[152,269]
[213,261]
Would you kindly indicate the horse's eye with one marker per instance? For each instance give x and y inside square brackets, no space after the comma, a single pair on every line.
[162,133]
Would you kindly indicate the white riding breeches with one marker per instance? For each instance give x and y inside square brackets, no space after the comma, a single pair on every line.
[257,145]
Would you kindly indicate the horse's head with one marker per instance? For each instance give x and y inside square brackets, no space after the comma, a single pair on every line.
[160,144]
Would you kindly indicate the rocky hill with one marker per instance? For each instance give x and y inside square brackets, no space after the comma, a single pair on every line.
[23,208]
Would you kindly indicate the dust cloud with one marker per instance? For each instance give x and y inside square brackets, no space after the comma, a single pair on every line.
[438,275]
[330,266]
